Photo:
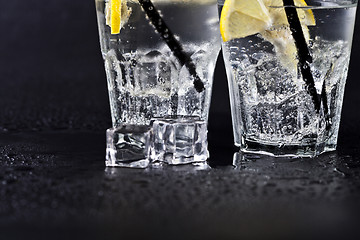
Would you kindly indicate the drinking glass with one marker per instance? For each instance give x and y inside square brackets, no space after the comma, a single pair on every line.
[287,77]
[159,58]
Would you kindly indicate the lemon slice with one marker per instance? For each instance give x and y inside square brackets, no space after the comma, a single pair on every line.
[280,34]
[268,18]
[241,18]
[279,18]
[278,14]
[116,14]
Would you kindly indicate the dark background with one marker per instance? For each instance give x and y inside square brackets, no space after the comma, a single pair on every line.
[53,184]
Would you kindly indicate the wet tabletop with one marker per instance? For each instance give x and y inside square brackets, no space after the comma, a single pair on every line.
[54,111]
[55,182]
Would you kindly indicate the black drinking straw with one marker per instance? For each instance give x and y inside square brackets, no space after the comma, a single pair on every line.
[171,41]
[302,49]
[305,58]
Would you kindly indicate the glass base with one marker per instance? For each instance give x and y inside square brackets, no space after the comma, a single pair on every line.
[126,146]
[178,140]
[278,150]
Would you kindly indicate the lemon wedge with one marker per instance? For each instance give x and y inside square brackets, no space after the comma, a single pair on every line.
[116,14]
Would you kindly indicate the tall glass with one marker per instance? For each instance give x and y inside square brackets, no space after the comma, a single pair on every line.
[159,65]
[287,80]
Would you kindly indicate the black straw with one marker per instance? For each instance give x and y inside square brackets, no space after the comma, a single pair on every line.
[305,59]
[302,49]
[171,41]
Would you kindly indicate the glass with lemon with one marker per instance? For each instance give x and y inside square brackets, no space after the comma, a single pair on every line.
[287,63]
[159,58]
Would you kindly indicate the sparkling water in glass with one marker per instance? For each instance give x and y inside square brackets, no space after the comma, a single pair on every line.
[285,104]
[160,65]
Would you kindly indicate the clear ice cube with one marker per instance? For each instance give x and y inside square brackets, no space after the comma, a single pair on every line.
[178,140]
[153,74]
[126,146]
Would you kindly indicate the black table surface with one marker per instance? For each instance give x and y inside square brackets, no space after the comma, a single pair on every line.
[54,111]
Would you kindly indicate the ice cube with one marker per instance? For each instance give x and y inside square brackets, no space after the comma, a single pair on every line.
[153,75]
[126,146]
[178,140]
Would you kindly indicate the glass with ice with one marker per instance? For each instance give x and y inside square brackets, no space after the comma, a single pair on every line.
[159,58]
[287,63]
